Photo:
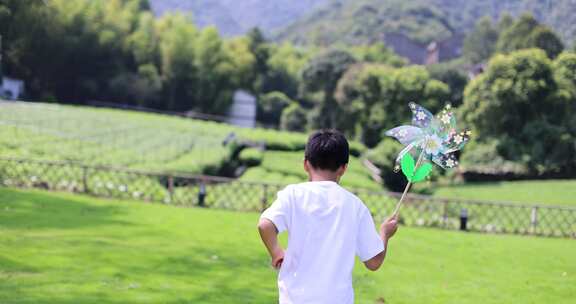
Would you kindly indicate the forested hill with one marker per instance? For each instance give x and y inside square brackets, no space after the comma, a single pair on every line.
[233,17]
[364,21]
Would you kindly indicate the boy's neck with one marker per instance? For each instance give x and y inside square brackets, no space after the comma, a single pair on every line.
[323,176]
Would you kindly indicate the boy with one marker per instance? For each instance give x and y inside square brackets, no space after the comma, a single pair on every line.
[327,226]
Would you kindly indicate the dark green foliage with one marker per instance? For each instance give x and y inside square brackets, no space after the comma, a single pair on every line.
[479,44]
[293,118]
[544,38]
[118,52]
[384,156]
[374,98]
[261,52]
[377,53]
[270,107]
[527,32]
[452,74]
[364,21]
[321,74]
[521,106]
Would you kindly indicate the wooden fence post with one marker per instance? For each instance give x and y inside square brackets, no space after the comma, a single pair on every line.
[85,179]
[534,219]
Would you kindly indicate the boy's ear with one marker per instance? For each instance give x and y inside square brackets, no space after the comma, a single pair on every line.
[342,170]
[306,166]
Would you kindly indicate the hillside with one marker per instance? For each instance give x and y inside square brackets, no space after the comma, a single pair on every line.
[146,141]
[365,21]
[234,17]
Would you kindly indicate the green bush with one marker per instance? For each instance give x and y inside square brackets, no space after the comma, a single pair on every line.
[384,157]
[484,158]
[251,157]
[293,118]
[270,107]
[356,148]
[522,107]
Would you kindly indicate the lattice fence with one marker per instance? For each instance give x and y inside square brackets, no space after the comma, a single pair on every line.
[216,192]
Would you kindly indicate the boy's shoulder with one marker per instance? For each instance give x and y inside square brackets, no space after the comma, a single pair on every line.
[301,188]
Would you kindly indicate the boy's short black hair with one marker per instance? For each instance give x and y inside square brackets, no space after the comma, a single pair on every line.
[327,150]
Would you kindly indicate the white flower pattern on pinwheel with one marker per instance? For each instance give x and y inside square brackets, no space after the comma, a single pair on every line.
[421,115]
[436,136]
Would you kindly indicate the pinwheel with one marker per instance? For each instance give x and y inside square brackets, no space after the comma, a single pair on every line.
[433,138]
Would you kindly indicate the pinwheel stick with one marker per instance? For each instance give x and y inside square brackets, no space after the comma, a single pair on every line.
[399,204]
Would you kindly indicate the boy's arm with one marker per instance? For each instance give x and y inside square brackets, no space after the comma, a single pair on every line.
[387,230]
[269,235]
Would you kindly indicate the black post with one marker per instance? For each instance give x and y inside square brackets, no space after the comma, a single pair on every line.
[201,194]
[171,189]
[463,219]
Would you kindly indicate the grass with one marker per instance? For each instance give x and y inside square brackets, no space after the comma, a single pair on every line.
[142,140]
[105,136]
[548,192]
[62,248]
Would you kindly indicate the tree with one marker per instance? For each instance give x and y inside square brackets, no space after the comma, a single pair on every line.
[260,49]
[526,33]
[376,96]
[321,74]
[242,61]
[544,38]
[284,67]
[213,93]
[177,58]
[378,53]
[515,106]
[270,107]
[293,118]
[479,45]
[452,75]
[143,42]
[505,22]
[565,73]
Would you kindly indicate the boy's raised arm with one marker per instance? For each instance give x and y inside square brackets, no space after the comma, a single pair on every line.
[387,230]
[269,235]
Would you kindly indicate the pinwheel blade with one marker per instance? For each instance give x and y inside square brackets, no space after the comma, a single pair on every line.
[406,134]
[420,116]
[446,161]
[456,141]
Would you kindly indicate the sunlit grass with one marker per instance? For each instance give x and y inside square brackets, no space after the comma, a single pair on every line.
[62,248]
[548,192]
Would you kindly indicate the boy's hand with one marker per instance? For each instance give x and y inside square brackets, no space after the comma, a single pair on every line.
[389,227]
[277,258]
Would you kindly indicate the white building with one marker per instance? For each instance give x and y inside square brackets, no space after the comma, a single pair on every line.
[243,110]
[11,88]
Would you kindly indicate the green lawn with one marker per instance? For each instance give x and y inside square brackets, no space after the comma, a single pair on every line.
[63,248]
[550,192]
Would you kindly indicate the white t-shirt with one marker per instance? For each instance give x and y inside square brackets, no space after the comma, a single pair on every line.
[327,227]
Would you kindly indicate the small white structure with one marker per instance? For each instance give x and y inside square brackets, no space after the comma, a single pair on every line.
[242,112]
[11,88]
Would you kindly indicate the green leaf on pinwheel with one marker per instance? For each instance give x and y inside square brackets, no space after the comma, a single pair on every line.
[422,172]
[407,164]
